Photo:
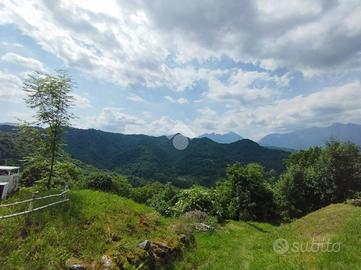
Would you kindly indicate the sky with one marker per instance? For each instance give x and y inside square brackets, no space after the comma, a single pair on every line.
[160,67]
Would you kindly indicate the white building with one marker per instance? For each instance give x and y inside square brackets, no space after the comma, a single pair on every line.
[9,180]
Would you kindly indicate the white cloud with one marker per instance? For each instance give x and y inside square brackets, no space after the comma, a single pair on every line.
[179,100]
[10,88]
[80,101]
[11,45]
[339,104]
[321,108]
[132,42]
[247,87]
[26,62]
[135,98]
[172,45]
[116,120]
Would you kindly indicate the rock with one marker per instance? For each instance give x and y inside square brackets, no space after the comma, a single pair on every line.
[74,264]
[202,227]
[356,202]
[107,261]
[161,250]
[145,245]
[187,240]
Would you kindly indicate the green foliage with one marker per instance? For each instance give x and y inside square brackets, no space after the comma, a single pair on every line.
[100,181]
[156,159]
[164,200]
[65,172]
[88,226]
[195,198]
[50,96]
[245,194]
[34,172]
[317,177]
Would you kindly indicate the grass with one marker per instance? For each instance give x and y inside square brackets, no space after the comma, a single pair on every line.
[242,245]
[90,225]
[93,224]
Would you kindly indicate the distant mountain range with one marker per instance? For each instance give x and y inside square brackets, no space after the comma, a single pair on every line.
[229,137]
[315,136]
[203,161]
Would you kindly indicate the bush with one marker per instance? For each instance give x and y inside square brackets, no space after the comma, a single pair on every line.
[33,173]
[245,194]
[317,177]
[164,200]
[121,185]
[101,181]
[196,198]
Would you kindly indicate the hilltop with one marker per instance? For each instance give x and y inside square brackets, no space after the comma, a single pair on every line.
[249,245]
[91,224]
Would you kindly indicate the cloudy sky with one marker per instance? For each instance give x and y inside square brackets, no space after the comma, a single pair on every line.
[166,66]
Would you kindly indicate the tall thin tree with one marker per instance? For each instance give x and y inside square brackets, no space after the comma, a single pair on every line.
[50,96]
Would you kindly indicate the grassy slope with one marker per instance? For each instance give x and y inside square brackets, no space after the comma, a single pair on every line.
[90,225]
[241,245]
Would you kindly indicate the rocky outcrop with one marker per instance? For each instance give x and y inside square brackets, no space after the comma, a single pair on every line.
[202,227]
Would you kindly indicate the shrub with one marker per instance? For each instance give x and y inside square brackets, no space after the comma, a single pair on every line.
[196,198]
[100,181]
[317,177]
[245,194]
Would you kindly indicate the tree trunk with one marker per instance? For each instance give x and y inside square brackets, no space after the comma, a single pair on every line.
[52,149]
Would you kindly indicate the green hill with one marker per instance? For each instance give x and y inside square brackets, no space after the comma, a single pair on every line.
[91,224]
[155,158]
[202,162]
[249,245]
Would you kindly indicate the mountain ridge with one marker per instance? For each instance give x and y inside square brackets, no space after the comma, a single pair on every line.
[203,161]
[314,136]
[228,137]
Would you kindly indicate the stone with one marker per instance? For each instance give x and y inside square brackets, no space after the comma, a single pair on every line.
[74,264]
[356,202]
[201,227]
[107,261]
[145,245]
[161,250]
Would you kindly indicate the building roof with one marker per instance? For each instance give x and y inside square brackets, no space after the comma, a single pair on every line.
[8,168]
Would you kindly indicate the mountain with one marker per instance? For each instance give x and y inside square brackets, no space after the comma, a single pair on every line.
[315,136]
[229,137]
[203,161]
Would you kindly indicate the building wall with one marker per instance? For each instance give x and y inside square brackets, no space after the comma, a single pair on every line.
[12,183]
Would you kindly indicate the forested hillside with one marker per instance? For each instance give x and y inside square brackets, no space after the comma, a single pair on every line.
[203,161]
[155,158]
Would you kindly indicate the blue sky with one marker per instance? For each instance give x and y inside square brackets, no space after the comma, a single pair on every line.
[163,66]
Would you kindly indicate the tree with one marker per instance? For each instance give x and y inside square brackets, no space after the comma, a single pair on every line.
[317,177]
[195,198]
[50,96]
[245,194]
